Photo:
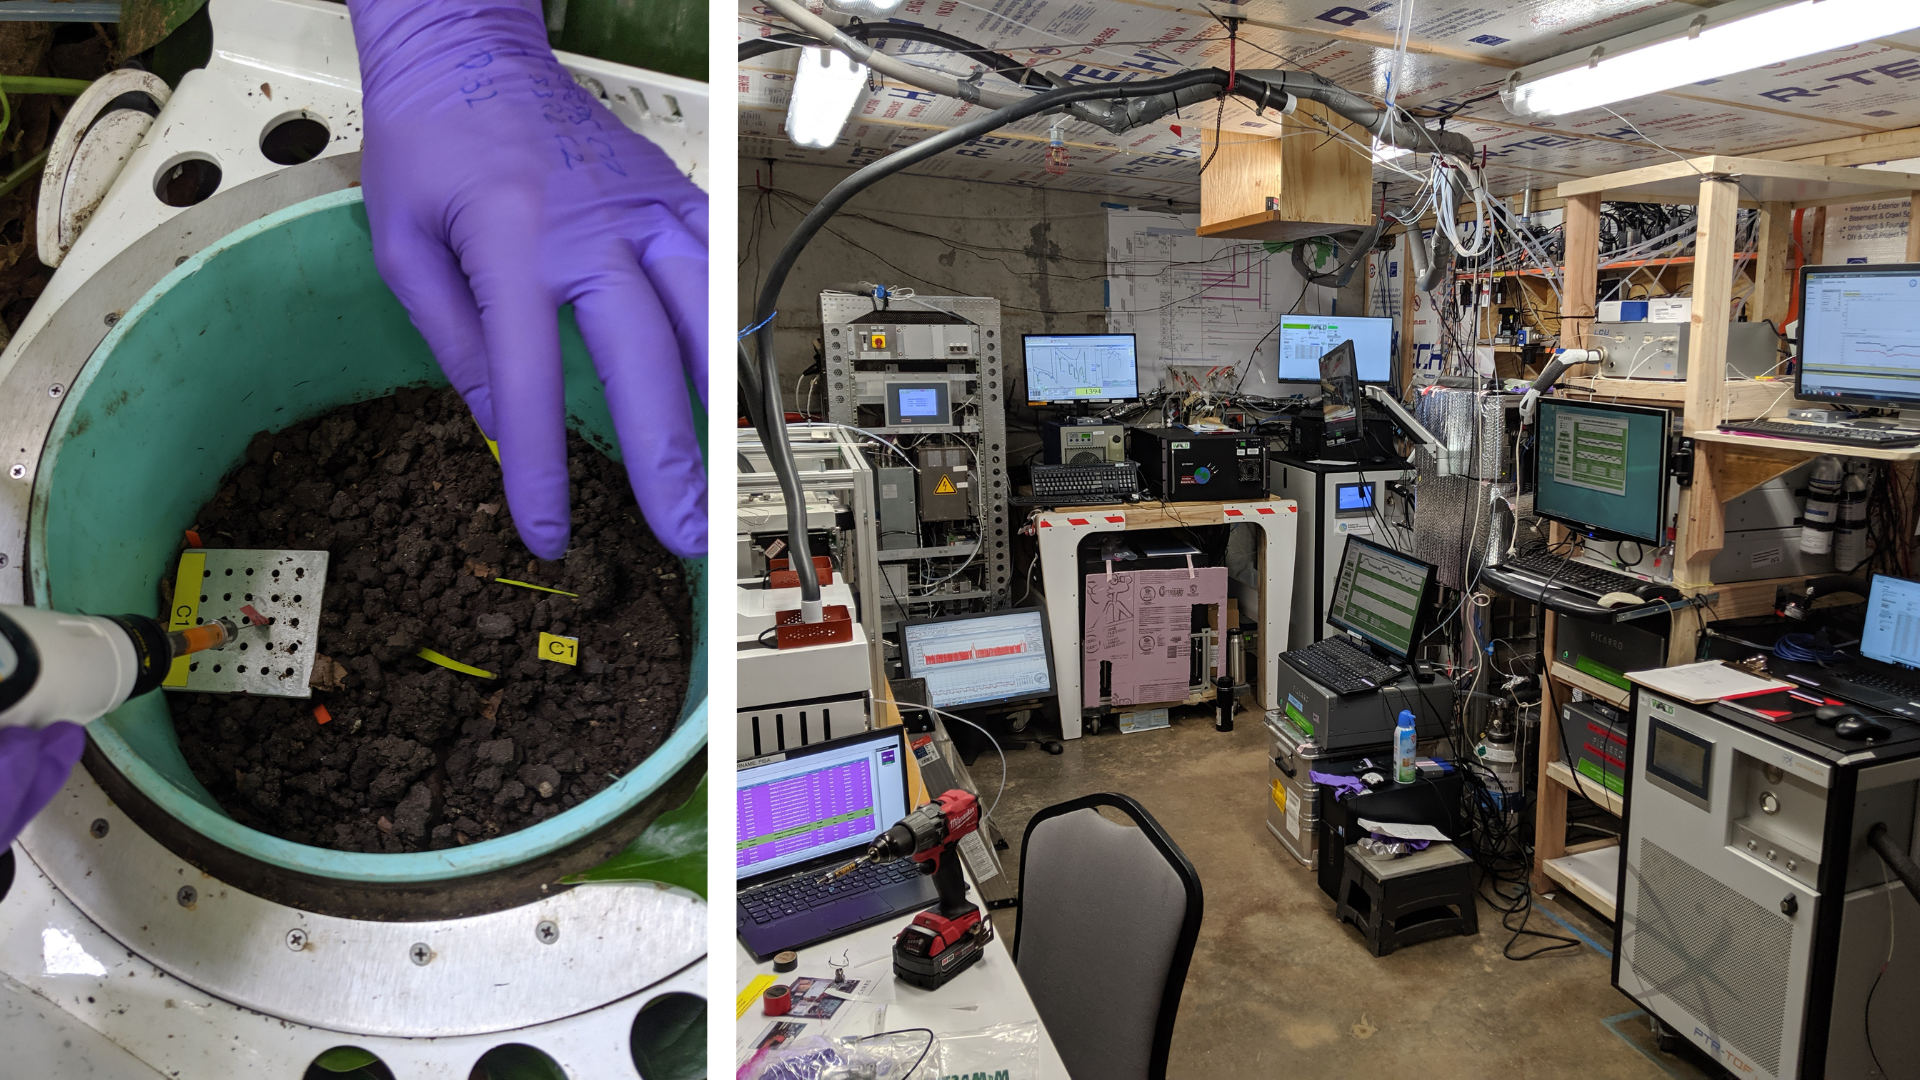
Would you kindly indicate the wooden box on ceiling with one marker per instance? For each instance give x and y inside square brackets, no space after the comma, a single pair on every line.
[1305,183]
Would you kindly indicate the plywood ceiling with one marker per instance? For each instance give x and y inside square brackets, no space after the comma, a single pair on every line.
[1458,53]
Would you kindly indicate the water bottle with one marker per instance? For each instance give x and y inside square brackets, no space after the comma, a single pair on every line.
[1823,491]
[1403,752]
[1850,534]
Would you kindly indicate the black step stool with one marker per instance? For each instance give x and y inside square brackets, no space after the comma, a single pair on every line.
[1416,897]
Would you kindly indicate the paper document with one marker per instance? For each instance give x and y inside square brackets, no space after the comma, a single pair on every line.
[1709,680]
[1404,832]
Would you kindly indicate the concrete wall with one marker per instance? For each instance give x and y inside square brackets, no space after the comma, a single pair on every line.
[1041,253]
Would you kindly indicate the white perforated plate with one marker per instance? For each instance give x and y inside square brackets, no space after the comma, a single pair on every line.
[273,660]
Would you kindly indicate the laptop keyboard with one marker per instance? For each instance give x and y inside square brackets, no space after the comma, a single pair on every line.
[1883,682]
[803,892]
[1342,666]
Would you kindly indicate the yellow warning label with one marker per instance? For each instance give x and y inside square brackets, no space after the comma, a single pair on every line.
[186,605]
[560,650]
[946,486]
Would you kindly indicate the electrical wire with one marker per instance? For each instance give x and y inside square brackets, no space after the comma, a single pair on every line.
[988,815]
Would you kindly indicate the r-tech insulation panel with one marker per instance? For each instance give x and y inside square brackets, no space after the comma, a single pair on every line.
[957,559]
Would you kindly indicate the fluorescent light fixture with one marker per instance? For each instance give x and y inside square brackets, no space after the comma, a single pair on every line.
[825,86]
[864,7]
[1720,41]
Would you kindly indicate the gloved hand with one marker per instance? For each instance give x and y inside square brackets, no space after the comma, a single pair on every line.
[498,190]
[34,763]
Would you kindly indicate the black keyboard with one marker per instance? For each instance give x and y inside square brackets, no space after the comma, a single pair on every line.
[793,895]
[1838,434]
[1341,666]
[1882,682]
[1091,485]
[1574,574]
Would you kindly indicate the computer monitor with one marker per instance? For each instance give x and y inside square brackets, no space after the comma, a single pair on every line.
[973,660]
[1380,595]
[1304,339]
[919,404]
[1860,334]
[1340,396]
[1892,634]
[818,799]
[1065,369]
[1601,470]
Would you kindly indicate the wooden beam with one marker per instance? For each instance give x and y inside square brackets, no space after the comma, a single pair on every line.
[1581,274]
[1913,229]
[1816,241]
[1701,530]
[1773,266]
[1854,149]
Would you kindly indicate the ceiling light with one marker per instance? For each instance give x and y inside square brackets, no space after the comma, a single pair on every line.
[1382,153]
[864,7]
[1721,41]
[825,86]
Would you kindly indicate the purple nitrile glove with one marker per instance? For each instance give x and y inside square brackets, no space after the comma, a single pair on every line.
[34,763]
[499,190]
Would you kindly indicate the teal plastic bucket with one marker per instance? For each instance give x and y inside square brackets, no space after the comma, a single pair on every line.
[278,322]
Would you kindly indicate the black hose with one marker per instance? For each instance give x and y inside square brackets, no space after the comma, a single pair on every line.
[999,63]
[1898,861]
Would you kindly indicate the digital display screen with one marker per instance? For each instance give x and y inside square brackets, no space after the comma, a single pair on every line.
[1602,468]
[997,657]
[1378,595]
[1067,368]
[813,803]
[919,402]
[1304,339]
[1353,498]
[1860,334]
[1680,761]
[1892,634]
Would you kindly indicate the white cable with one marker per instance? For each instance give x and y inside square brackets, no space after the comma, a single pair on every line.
[988,814]
[863,431]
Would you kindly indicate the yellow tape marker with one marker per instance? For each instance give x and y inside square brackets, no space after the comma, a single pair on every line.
[752,993]
[530,585]
[450,664]
[186,605]
[495,447]
[560,650]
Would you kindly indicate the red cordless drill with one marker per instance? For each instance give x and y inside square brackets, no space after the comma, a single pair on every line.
[942,943]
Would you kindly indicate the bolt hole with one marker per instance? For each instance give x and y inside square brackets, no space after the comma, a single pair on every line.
[229,571]
[296,598]
[242,669]
[347,1063]
[187,182]
[226,596]
[293,140]
[216,669]
[293,622]
[516,1060]
[249,571]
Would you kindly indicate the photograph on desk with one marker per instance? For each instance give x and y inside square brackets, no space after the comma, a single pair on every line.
[1231,518]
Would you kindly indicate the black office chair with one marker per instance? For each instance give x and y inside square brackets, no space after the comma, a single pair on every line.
[1107,924]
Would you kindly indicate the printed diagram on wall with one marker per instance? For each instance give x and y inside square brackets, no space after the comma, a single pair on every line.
[1139,627]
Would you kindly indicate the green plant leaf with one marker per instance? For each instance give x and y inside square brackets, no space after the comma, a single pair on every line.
[516,1062]
[670,1039]
[673,851]
[345,1059]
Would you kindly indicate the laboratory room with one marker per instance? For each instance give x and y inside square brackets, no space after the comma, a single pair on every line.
[353,678]
[1315,540]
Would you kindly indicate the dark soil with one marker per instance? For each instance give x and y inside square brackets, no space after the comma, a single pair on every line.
[406,496]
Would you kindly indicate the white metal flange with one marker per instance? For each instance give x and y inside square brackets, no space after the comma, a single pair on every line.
[87,154]
[569,953]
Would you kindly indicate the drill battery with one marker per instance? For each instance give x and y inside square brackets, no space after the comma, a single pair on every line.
[933,949]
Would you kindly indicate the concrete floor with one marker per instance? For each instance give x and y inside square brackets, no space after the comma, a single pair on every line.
[1278,987]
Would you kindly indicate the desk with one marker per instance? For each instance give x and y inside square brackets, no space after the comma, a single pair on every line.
[1060,531]
[988,993]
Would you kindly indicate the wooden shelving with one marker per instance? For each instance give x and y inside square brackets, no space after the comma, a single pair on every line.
[1593,686]
[1726,465]
[1580,785]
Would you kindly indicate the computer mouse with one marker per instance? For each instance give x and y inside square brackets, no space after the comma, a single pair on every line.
[1860,728]
[1831,714]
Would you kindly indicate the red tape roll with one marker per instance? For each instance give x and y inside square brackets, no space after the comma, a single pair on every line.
[778,1001]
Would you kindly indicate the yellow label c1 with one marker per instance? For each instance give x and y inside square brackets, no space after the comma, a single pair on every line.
[560,650]
[186,605]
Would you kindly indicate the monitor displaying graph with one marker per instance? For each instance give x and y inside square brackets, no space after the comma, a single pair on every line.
[1067,368]
[1860,334]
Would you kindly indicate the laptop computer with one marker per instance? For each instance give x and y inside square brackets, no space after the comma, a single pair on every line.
[1883,675]
[806,811]
[1378,601]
